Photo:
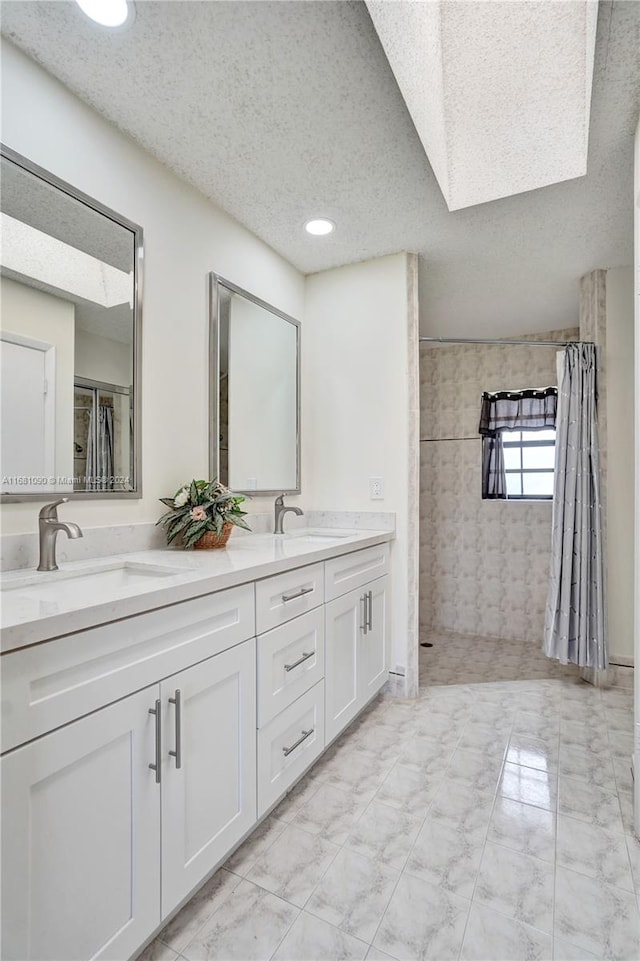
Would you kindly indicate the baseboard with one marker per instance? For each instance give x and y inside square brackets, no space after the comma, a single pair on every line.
[620,660]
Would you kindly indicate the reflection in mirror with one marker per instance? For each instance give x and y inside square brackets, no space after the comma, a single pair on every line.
[254,393]
[69,333]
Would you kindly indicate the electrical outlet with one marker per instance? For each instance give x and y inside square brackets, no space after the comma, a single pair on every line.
[376,488]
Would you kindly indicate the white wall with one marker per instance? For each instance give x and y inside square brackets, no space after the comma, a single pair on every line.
[636,646]
[185,237]
[619,365]
[41,316]
[355,371]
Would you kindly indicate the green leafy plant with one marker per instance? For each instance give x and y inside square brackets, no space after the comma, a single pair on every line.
[199,507]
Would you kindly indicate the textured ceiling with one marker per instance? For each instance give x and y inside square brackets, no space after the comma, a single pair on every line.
[499,93]
[280,111]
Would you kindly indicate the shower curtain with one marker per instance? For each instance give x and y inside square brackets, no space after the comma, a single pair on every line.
[575,623]
[100,450]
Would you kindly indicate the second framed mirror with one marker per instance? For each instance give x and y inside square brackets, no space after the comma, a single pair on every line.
[254,437]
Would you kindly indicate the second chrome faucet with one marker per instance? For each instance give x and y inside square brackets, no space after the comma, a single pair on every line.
[280,510]
[48,527]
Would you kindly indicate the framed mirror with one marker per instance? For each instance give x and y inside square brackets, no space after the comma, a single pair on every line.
[254,436]
[70,325]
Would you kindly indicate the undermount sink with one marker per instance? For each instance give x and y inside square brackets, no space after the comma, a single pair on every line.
[318,536]
[102,578]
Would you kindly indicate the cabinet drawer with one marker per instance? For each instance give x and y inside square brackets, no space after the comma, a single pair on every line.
[51,684]
[290,661]
[284,596]
[288,744]
[347,573]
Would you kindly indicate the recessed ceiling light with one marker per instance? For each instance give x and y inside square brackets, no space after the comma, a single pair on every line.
[319,228]
[108,13]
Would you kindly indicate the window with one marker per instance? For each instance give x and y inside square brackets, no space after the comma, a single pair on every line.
[529,457]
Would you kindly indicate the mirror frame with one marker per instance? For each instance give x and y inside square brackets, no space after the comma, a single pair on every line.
[138,262]
[215,282]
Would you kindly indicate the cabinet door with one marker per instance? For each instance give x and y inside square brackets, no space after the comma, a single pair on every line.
[80,830]
[344,627]
[209,801]
[374,663]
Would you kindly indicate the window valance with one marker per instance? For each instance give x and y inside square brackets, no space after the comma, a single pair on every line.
[530,409]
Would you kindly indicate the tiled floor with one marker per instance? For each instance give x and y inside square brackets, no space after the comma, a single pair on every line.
[490,820]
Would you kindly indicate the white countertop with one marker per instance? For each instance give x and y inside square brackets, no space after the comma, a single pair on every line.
[27,618]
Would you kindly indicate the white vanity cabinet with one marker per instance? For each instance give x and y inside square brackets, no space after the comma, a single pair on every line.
[80,838]
[357,634]
[139,752]
[208,785]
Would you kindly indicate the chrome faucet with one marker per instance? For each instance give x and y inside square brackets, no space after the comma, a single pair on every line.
[48,527]
[280,511]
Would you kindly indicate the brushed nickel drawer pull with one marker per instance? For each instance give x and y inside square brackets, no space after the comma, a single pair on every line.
[300,593]
[303,737]
[363,625]
[305,657]
[370,618]
[158,725]
[177,700]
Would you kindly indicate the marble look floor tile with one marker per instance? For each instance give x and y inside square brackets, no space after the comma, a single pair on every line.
[354,894]
[186,924]
[533,752]
[587,802]
[310,939]
[422,922]
[578,734]
[375,954]
[589,850]
[426,754]
[357,771]
[293,865]
[158,951]
[600,918]
[330,813]
[447,856]
[296,798]
[583,765]
[620,744]
[477,771]
[492,937]
[456,804]
[528,785]
[524,828]
[622,771]
[249,926]
[384,834]
[516,885]
[242,860]
[619,720]
[563,951]
[625,802]
[633,847]
[408,790]
[485,739]
[543,727]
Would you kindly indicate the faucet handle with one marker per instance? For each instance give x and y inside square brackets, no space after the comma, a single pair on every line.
[280,500]
[50,511]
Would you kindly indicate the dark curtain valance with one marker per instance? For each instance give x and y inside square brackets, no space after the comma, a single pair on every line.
[529,409]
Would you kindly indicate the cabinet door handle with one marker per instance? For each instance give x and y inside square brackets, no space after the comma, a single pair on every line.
[370,617]
[158,725]
[300,593]
[363,625]
[177,700]
[304,657]
[303,737]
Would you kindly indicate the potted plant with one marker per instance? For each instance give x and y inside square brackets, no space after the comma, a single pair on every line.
[203,514]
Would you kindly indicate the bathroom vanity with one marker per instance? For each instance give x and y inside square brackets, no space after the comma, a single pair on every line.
[155,707]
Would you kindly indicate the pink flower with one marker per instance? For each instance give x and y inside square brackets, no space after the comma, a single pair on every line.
[198,514]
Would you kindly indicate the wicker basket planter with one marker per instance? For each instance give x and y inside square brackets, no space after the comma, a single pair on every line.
[212,541]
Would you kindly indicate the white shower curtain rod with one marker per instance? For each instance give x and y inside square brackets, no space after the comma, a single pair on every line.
[505,343]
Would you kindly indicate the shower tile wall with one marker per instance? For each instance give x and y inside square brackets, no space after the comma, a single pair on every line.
[483,564]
